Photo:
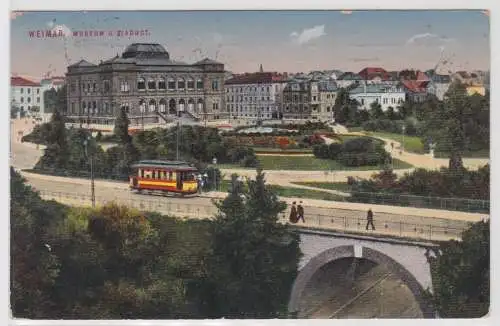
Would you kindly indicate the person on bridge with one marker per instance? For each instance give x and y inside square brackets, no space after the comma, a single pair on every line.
[293,214]
[300,213]
[369,218]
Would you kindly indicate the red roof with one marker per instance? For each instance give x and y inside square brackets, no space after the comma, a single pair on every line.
[421,76]
[415,86]
[20,81]
[371,72]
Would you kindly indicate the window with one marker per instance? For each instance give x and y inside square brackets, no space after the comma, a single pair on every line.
[362,101]
[38,90]
[73,107]
[141,84]
[161,84]
[151,84]
[215,106]
[73,86]
[29,90]
[106,86]
[22,99]
[94,87]
[38,99]
[88,87]
[29,99]
[94,107]
[199,84]
[22,90]
[171,84]
[124,87]
[190,84]
[181,84]
[215,85]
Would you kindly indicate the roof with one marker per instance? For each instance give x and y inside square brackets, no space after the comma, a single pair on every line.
[349,76]
[373,72]
[83,63]
[208,61]
[375,88]
[159,164]
[415,86]
[144,49]
[255,78]
[327,86]
[20,81]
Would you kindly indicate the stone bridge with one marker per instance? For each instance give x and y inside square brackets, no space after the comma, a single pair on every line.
[404,259]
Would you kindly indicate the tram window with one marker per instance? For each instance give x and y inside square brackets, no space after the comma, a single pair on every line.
[154,174]
[141,173]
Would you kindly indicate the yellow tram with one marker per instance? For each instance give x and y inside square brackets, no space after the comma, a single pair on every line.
[164,176]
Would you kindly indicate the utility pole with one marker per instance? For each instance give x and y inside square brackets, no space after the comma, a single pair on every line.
[91,161]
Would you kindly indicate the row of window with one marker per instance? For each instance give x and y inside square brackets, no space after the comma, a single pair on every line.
[151,84]
[28,99]
[240,98]
[245,108]
[166,175]
[28,90]
[250,89]
[385,101]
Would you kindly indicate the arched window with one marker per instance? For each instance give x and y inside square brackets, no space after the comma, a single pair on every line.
[190,105]
[152,105]
[182,103]
[84,107]
[171,84]
[190,83]
[199,84]
[200,105]
[141,84]
[151,84]
[163,105]
[161,83]
[181,84]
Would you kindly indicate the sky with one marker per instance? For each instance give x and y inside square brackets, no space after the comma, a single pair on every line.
[283,41]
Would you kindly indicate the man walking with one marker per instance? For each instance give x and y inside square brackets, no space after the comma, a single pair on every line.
[369,218]
[300,213]
[293,214]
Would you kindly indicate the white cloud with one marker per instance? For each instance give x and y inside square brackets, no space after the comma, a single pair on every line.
[308,34]
[65,30]
[427,37]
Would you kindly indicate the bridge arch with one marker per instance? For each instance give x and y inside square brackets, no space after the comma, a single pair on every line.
[356,251]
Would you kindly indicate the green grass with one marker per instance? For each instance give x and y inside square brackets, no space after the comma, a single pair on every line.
[484,153]
[308,163]
[355,129]
[295,192]
[340,186]
[286,151]
[411,143]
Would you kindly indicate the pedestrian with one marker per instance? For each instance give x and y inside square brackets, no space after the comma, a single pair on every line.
[369,218]
[293,214]
[392,146]
[300,213]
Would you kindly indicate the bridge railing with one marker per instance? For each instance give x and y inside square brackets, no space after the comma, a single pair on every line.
[432,232]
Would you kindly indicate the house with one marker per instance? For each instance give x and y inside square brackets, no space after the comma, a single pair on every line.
[374,75]
[347,79]
[438,84]
[26,94]
[416,90]
[476,89]
[386,95]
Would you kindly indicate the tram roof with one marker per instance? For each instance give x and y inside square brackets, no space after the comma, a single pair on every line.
[160,164]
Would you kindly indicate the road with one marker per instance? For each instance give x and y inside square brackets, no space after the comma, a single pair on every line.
[389,220]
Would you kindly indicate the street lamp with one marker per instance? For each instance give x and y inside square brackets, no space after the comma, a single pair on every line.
[91,159]
[214,162]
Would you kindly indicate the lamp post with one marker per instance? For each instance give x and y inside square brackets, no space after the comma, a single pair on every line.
[214,162]
[91,160]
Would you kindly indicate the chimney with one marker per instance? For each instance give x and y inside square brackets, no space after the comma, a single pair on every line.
[261,69]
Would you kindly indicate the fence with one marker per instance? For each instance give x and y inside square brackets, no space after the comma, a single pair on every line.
[335,223]
[453,204]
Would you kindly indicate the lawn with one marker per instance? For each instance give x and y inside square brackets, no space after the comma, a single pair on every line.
[411,143]
[309,163]
[485,153]
[295,192]
[340,186]
[258,150]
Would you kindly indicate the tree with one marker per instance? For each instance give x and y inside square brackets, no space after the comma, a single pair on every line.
[14,112]
[376,110]
[34,267]
[121,128]
[255,258]
[461,274]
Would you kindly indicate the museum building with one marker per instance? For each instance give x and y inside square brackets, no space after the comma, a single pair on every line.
[142,81]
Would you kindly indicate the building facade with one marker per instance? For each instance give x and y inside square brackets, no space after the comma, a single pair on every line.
[386,96]
[26,95]
[309,99]
[254,96]
[141,81]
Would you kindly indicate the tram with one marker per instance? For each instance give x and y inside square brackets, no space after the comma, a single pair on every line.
[164,176]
